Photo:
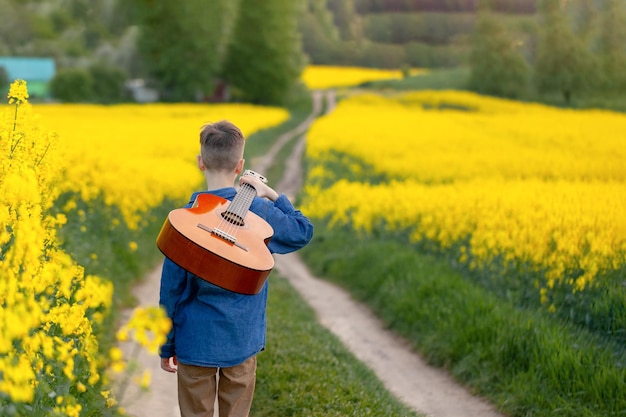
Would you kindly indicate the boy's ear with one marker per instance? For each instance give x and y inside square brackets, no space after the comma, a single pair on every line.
[200,163]
[240,165]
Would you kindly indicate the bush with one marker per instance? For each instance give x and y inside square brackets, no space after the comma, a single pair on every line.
[100,83]
[72,85]
[108,83]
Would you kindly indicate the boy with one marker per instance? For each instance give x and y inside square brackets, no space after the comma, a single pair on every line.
[216,331]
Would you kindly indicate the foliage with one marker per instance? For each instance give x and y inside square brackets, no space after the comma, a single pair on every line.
[346,18]
[183,44]
[429,28]
[69,30]
[321,18]
[4,79]
[108,83]
[497,66]
[563,64]
[263,65]
[72,85]
[612,56]
[100,82]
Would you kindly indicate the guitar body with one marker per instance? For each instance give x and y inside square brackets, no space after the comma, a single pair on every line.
[188,239]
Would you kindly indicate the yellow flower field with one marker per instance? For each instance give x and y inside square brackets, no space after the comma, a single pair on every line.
[136,155]
[51,311]
[499,179]
[48,307]
[319,77]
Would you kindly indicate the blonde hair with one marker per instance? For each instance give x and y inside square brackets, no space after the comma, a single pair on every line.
[221,145]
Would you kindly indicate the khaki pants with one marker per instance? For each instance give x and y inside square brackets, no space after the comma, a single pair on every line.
[234,387]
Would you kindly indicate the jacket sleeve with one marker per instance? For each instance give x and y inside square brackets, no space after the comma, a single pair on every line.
[292,229]
[173,283]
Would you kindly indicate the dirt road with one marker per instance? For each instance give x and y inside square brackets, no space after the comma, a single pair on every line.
[406,375]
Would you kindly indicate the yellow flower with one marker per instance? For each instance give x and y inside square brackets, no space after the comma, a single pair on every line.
[116,354]
[144,380]
[522,184]
[18,92]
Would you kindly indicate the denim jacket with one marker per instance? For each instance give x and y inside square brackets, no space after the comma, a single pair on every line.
[219,328]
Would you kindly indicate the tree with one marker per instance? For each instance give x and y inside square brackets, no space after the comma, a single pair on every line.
[265,58]
[318,31]
[182,43]
[612,55]
[562,64]
[346,19]
[497,67]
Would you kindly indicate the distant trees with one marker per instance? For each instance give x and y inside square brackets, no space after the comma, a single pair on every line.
[611,46]
[182,43]
[265,59]
[563,64]
[187,46]
[577,49]
[497,67]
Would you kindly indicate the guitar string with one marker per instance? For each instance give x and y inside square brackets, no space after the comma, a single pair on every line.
[238,207]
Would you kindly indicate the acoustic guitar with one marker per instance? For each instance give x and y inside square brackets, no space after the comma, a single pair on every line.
[221,241]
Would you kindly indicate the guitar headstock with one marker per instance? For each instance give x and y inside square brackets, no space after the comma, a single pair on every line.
[256,175]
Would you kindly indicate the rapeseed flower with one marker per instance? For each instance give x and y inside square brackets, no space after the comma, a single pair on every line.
[520,183]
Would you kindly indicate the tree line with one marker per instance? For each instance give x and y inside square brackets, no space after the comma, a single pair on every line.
[186,50]
[183,49]
[574,52]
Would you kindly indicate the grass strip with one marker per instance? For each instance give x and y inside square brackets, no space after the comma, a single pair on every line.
[457,78]
[306,370]
[527,363]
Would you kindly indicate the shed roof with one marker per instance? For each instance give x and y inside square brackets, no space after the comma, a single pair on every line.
[28,69]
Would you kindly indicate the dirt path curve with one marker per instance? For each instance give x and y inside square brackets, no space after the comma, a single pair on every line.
[404,373]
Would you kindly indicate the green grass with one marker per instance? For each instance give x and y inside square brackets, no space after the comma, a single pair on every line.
[524,361]
[306,371]
[457,79]
[439,79]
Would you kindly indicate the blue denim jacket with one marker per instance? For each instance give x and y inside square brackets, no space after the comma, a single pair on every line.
[216,327]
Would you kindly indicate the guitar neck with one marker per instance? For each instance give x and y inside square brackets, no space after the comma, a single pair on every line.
[242,201]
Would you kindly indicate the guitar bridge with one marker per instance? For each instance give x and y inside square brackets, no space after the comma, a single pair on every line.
[222,235]
[227,237]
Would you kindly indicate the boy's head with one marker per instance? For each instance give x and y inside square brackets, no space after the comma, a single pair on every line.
[221,146]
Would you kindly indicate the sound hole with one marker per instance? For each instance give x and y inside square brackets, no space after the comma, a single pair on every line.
[233,218]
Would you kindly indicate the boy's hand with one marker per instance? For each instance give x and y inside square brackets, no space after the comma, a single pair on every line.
[262,190]
[166,364]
